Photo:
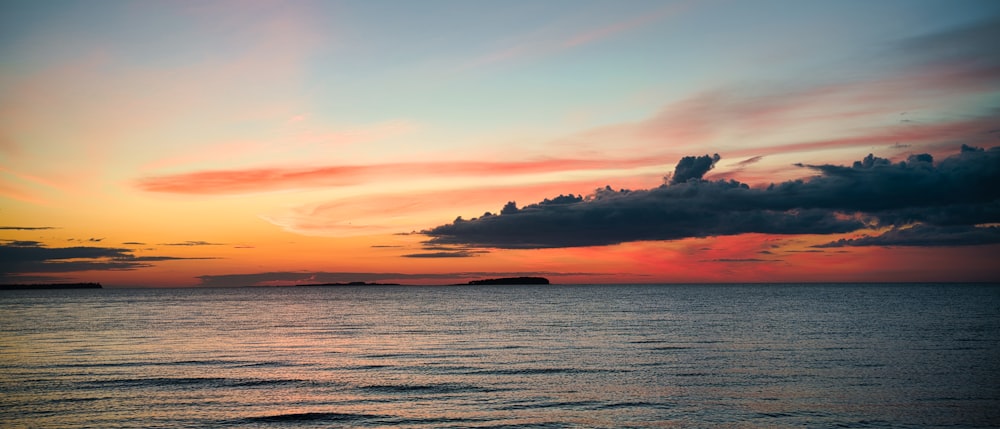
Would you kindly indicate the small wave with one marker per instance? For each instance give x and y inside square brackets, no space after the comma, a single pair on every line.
[865,424]
[442,388]
[268,364]
[362,367]
[188,382]
[267,382]
[391,355]
[541,425]
[311,417]
[789,414]
[433,421]
[196,362]
[636,404]
[131,364]
[155,382]
[94,365]
[542,371]
[693,374]
[568,405]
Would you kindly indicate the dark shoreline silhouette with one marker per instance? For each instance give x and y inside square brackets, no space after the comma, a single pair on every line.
[51,286]
[511,281]
[348,284]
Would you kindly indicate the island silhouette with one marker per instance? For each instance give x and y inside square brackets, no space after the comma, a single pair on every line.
[51,286]
[511,281]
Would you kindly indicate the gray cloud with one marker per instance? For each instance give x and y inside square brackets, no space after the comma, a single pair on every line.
[22,243]
[26,228]
[925,235]
[959,190]
[19,257]
[693,167]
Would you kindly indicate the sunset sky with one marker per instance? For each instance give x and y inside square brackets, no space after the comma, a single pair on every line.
[223,143]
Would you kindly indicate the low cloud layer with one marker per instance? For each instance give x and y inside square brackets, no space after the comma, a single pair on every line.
[925,235]
[17,257]
[957,192]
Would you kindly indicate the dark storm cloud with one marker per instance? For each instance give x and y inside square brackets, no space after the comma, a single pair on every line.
[32,257]
[693,167]
[960,190]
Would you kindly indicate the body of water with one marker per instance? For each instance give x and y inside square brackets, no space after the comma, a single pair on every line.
[893,356]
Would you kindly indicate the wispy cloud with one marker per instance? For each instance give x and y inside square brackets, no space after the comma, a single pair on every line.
[192,243]
[452,254]
[279,178]
[403,211]
[921,235]
[27,228]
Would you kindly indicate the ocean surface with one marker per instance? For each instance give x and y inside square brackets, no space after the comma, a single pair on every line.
[753,356]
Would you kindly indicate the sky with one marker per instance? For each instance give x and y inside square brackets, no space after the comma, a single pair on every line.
[236,143]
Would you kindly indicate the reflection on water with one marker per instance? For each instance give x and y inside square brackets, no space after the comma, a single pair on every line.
[487,356]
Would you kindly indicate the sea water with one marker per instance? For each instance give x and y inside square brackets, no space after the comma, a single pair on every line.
[814,355]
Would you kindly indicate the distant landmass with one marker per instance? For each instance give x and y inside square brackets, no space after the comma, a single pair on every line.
[52,286]
[349,284]
[512,281]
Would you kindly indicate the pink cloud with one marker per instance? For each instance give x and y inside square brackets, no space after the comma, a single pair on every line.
[269,179]
[405,212]
[937,137]
[767,119]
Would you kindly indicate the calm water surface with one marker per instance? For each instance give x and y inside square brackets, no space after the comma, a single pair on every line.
[906,356]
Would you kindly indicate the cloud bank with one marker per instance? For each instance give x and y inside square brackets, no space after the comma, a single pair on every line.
[18,257]
[957,193]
